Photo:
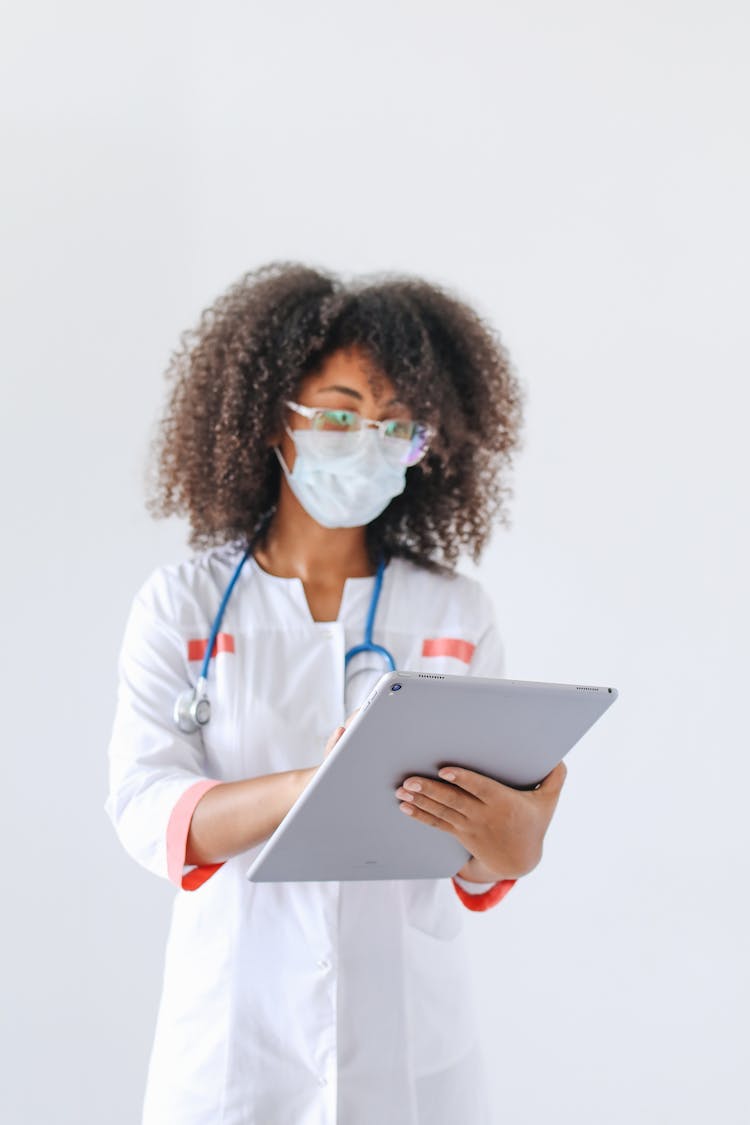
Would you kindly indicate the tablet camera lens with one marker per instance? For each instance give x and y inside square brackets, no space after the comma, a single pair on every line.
[395,687]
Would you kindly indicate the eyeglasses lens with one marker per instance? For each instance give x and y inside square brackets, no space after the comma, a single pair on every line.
[410,439]
[337,421]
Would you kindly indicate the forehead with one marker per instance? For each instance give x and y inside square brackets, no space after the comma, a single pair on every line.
[351,367]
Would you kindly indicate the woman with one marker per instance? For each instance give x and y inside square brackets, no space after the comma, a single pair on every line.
[322,431]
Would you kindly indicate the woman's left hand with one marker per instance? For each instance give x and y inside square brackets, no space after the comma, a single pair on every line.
[502,828]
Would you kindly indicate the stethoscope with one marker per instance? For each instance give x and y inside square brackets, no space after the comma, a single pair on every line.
[192,708]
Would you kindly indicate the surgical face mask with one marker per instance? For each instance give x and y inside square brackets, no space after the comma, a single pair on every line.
[342,479]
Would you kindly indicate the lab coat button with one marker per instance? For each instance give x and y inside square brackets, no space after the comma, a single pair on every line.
[322,1080]
[323,964]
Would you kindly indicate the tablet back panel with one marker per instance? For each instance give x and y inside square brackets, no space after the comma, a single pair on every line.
[347,824]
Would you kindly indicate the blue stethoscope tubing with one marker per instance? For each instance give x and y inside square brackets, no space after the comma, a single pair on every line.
[368,645]
[192,708]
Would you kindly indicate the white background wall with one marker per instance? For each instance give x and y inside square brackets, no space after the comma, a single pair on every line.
[580,172]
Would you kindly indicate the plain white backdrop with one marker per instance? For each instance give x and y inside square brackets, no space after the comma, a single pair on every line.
[579,172]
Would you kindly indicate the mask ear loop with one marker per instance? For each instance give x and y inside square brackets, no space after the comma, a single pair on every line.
[280,456]
[282,462]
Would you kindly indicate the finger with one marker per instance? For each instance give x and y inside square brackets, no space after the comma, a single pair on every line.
[553,782]
[333,740]
[339,731]
[427,818]
[477,784]
[448,795]
[435,808]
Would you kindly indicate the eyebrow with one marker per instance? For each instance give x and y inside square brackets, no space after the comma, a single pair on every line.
[350,391]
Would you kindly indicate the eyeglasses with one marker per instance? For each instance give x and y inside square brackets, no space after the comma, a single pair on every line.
[408,440]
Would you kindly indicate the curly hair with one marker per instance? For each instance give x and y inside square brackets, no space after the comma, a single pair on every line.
[231,374]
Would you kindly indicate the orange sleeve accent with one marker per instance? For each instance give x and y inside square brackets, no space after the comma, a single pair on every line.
[488,899]
[199,875]
[177,834]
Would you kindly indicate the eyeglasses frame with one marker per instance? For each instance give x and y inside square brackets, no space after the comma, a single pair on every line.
[370,423]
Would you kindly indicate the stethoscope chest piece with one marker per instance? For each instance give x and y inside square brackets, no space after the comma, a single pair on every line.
[192,708]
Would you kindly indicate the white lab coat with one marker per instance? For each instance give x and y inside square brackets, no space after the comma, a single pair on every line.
[291,1003]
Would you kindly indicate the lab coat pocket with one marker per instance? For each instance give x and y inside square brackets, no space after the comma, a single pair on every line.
[431,906]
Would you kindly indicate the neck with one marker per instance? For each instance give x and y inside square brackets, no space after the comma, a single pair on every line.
[296,546]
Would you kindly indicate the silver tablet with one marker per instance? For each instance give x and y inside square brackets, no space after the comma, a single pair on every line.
[347,823]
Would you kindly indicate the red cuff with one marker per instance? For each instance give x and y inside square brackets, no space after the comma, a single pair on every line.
[177,834]
[489,898]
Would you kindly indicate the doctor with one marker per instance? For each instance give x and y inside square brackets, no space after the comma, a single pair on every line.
[335,447]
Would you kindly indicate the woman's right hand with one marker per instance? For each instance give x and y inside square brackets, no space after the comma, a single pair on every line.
[337,734]
[307,775]
[333,740]
[237,815]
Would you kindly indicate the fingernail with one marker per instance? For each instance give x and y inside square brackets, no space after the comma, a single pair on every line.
[413,785]
[447,775]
